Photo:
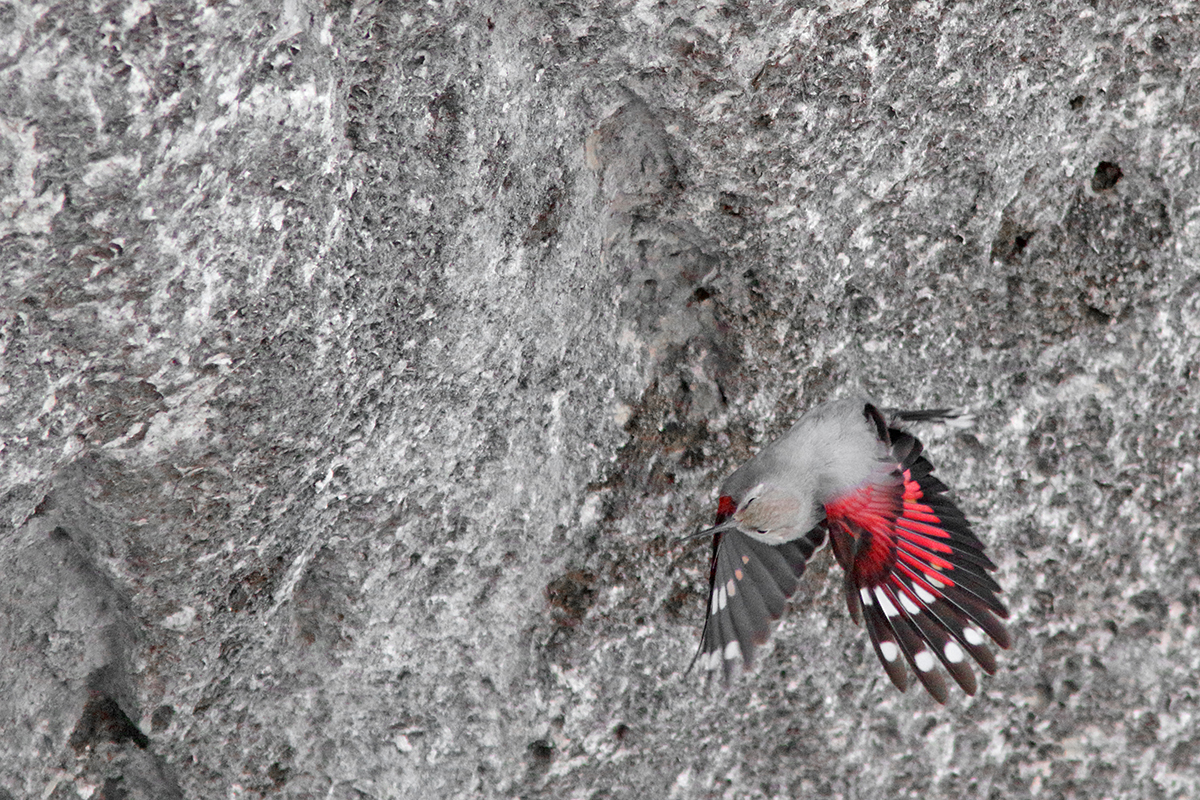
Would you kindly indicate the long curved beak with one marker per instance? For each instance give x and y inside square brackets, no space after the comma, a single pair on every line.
[727,525]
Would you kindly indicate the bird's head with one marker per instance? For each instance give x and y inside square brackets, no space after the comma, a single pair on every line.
[770,513]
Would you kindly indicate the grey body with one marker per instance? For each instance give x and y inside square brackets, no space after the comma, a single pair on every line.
[830,452]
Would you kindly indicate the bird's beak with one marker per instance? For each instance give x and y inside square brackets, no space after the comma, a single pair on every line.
[727,525]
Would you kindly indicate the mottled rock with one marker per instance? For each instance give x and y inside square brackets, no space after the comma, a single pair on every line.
[363,362]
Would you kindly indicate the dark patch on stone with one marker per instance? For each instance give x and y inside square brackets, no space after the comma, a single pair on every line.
[229,649]
[692,458]
[161,718]
[103,720]
[1106,177]
[1185,754]
[1019,242]
[321,603]
[278,774]
[545,226]
[113,789]
[571,596]
[1096,315]
[541,753]
[1010,241]
[734,205]
[249,590]
[1150,602]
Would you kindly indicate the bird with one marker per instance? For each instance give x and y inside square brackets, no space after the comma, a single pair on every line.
[915,573]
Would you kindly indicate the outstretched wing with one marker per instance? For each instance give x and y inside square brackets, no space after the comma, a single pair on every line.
[917,574]
[749,583]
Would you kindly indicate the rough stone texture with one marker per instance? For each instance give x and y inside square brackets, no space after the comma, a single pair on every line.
[362,362]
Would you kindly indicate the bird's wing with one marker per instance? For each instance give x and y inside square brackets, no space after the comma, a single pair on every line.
[749,583]
[917,573]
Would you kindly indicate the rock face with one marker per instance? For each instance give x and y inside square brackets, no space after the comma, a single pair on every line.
[363,362]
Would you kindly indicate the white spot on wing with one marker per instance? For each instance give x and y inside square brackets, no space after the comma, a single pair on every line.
[731,587]
[732,650]
[954,653]
[722,599]
[926,597]
[712,660]
[908,604]
[865,594]
[923,660]
[973,635]
[934,582]
[885,603]
[889,650]
[713,609]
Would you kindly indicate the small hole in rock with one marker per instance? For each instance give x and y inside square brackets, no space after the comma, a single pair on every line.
[1106,177]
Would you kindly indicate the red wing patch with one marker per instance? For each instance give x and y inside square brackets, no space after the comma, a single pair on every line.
[725,508]
[917,574]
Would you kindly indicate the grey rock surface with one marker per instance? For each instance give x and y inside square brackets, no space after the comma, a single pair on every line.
[363,361]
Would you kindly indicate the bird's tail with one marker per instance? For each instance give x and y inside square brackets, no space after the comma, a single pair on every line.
[951,417]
